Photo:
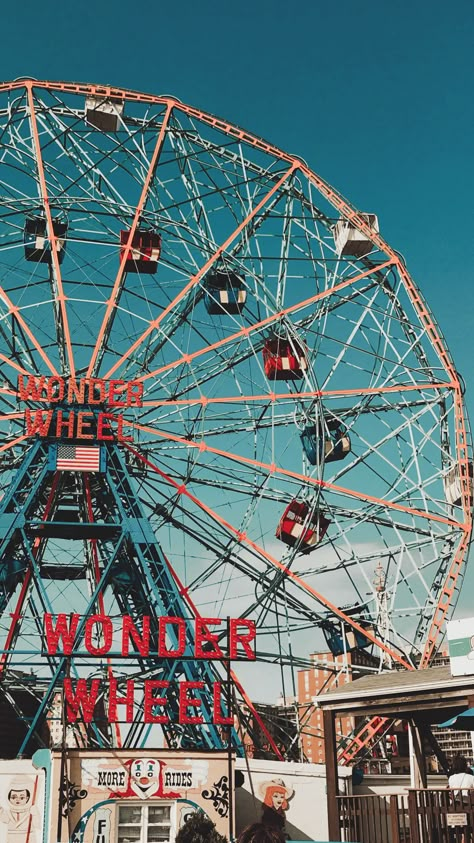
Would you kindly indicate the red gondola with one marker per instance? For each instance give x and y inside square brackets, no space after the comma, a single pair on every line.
[296,527]
[284,359]
[144,252]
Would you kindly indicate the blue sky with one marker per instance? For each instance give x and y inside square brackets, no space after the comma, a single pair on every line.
[376,97]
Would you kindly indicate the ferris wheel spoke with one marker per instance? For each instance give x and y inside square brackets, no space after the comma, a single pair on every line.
[84,175]
[244,539]
[62,324]
[406,425]
[238,685]
[258,326]
[197,277]
[17,441]
[311,481]
[294,396]
[17,318]
[107,322]
[181,314]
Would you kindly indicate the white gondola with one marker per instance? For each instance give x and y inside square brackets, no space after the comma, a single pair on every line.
[349,241]
[452,485]
[104,113]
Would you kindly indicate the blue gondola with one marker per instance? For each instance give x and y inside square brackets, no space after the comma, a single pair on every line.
[353,639]
[36,241]
[333,438]
[224,293]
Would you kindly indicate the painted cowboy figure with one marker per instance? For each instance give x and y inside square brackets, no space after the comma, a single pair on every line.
[275,802]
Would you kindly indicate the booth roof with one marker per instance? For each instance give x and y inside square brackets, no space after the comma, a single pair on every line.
[434,685]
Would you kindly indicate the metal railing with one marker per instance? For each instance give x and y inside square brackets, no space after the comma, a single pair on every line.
[416,816]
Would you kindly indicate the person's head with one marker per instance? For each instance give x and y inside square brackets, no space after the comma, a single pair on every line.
[260,833]
[275,797]
[460,765]
[19,798]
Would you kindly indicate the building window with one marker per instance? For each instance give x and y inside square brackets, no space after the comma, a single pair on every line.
[145,823]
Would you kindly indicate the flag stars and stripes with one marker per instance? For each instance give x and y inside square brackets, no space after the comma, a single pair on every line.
[77,458]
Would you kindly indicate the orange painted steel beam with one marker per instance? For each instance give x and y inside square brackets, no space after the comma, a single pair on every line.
[299,581]
[13,443]
[245,332]
[136,96]
[362,739]
[9,416]
[444,601]
[428,323]
[114,296]
[462,454]
[303,478]
[282,396]
[14,365]
[194,280]
[51,233]
[15,312]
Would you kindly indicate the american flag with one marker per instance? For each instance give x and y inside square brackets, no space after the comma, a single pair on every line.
[75,458]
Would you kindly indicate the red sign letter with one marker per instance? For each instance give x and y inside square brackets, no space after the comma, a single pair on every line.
[107,634]
[40,424]
[134,394]
[120,436]
[81,698]
[61,630]
[33,389]
[204,636]
[218,719]
[150,701]
[82,425]
[55,390]
[115,700]
[131,633]
[116,389]
[103,423]
[243,638]
[185,702]
[162,624]
[96,391]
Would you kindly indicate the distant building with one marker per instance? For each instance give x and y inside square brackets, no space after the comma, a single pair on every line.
[280,723]
[328,672]
[76,735]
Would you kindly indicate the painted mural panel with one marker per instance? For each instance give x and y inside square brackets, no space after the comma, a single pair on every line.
[22,795]
[287,795]
[136,795]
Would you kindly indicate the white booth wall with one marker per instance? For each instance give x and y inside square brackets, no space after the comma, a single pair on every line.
[306,815]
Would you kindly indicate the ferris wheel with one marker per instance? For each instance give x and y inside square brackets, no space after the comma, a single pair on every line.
[282,427]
